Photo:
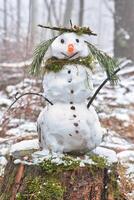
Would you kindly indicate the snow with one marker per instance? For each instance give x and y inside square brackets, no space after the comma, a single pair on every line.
[127,160]
[79,80]
[56,158]
[60,133]
[68,124]
[18,64]
[121,116]
[108,154]
[3,160]
[5,102]
[130,196]
[114,141]
[126,156]
[24,129]
[24,145]
[4,151]
[68,39]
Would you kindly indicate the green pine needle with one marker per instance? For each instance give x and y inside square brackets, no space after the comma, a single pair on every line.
[38,56]
[109,64]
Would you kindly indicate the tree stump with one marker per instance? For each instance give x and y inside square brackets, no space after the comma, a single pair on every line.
[67,181]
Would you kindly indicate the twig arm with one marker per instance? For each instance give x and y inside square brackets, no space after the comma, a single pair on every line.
[29,93]
[99,88]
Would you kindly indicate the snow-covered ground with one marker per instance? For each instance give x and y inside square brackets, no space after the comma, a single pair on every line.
[115,107]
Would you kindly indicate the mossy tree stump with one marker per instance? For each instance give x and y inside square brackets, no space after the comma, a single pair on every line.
[49,181]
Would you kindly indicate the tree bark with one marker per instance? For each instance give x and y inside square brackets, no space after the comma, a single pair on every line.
[81,12]
[124,29]
[5,18]
[80,183]
[18,20]
[34,21]
[68,12]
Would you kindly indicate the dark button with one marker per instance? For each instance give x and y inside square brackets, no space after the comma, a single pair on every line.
[69,81]
[70,135]
[69,71]
[72,91]
[75,124]
[74,116]
[73,107]
[71,102]
[76,131]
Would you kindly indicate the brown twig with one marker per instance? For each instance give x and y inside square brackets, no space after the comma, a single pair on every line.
[28,93]
[100,87]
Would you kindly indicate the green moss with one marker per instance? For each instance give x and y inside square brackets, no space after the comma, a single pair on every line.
[113,183]
[48,185]
[39,188]
[19,196]
[100,162]
[55,65]
[69,164]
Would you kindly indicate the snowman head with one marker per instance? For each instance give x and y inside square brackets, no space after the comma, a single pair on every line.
[72,44]
[69,46]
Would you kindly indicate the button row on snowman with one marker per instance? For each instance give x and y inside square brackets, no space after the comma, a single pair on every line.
[73,107]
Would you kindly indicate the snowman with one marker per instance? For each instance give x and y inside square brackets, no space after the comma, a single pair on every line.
[67,124]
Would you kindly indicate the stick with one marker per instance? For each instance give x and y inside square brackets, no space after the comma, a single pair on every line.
[99,88]
[31,93]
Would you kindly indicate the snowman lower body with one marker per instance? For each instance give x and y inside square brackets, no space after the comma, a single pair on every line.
[64,127]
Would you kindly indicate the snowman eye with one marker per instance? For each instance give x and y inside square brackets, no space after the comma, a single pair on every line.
[77,40]
[62,41]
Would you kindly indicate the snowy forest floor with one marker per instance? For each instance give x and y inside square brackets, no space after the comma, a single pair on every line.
[115,106]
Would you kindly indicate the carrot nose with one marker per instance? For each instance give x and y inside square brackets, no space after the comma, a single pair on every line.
[70,48]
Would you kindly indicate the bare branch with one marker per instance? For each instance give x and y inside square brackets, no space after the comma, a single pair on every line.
[28,93]
[108,7]
[99,88]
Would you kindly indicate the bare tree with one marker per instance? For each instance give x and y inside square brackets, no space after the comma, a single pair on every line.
[18,20]
[124,29]
[5,18]
[34,14]
[54,12]
[81,12]
[68,12]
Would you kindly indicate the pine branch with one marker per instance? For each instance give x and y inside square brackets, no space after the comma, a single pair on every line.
[38,56]
[109,64]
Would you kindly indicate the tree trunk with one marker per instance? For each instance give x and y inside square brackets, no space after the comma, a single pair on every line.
[47,181]
[5,18]
[34,21]
[68,12]
[81,12]
[124,29]
[18,21]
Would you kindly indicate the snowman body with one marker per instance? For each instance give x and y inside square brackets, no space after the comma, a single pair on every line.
[68,125]
[71,84]
[65,130]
